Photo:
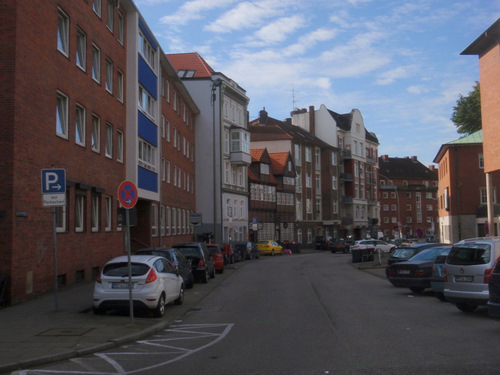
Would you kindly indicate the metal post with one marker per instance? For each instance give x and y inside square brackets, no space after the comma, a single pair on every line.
[127,247]
[54,232]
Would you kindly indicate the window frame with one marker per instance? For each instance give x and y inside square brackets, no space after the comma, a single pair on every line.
[62,105]
[63,32]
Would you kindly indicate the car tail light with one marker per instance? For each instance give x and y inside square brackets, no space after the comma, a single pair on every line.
[487,275]
[201,263]
[151,276]
[445,274]
[419,273]
[98,279]
[392,272]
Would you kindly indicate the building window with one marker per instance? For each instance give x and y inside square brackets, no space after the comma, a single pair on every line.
[79,213]
[81,49]
[154,220]
[147,155]
[334,158]
[62,115]
[146,102]
[109,213]
[119,85]
[429,207]
[408,207]
[393,207]
[297,155]
[308,180]
[95,212]
[409,219]
[80,125]
[63,33]
[318,183]
[308,154]
[110,15]
[97,7]
[240,141]
[481,161]
[109,76]
[121,28]
[146,49]
[264,169]
[95,137]
[109,141]
[96,63]
[168,221]
[60,219]
[162,220]
[317,158]
[119,146]
[168,172]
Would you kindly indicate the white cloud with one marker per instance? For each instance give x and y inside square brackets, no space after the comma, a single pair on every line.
[392,75]
[280,29]
[193,10]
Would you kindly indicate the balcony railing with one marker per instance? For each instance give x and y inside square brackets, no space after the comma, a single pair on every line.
[345,176]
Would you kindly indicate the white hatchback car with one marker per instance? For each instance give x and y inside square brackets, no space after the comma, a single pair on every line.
[155,282]
[377,245]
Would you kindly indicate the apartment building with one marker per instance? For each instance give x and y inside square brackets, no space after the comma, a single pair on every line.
[306,151]
[462,195]
[89,103]
[355,187]
[487,47]
[408,198]
[223,149]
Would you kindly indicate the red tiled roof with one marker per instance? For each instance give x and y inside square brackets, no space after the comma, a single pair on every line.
[278,160]
[256,153]
[191,61]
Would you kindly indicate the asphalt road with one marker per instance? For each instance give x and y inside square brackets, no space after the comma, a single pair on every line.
[308,314]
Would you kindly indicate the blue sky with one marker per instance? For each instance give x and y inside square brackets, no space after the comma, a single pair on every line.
[396,61]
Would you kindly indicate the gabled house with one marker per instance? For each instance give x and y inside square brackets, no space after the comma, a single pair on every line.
[223,149]
[356,166]
[306,150]
[462,195]
[408,198]
[487,47]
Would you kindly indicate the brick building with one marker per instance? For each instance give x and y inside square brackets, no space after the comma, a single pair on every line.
[462,198]
[80,90]
[408,198]
[487,47]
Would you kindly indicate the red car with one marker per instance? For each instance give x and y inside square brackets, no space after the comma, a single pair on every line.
[217,256]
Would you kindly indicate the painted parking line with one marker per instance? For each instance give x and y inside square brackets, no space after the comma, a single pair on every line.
[171,345]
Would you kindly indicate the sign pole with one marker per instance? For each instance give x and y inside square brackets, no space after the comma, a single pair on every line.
[54,235]
[127,247]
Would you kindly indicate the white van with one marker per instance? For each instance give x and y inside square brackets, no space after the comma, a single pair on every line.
[468,270]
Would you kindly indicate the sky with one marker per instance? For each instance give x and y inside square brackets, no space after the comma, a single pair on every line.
[398,62]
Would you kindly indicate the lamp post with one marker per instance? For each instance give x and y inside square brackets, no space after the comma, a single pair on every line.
[216,83]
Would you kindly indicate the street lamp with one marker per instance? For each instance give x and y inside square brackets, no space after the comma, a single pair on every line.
[215,83]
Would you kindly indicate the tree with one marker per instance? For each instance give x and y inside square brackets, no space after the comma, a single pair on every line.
[467,113]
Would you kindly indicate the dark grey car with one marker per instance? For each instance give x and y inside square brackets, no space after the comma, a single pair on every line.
[202,263]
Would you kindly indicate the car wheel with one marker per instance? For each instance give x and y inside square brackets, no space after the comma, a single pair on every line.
[466,307]
[180,299]
[221,270]
[212,274]
[190,283]
[417,290]
[204,277]
[272,252]
[160,308]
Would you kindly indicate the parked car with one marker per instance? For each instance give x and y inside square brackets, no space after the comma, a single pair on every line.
[323,242]
[246,249]
[227,250]
[437,280]
[468,270]
[404,253]
[241,252]
[201,261]
[269,247]
[155,282]
[377,245]
[416,273]
[494,291]
[178,260]
[340,244]
[217,257]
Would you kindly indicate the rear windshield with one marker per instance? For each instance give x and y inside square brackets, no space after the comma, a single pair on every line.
[431,254]
[189,251]
[121,269]
[404,253]
[469,254]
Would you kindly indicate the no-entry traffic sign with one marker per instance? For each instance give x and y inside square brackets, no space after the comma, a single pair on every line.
[127,194]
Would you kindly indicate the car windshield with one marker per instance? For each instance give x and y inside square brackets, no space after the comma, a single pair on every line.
[469,254]
[121,269]
[404,253]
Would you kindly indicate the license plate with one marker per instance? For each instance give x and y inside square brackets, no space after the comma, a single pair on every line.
[121,285]
[403,272]
[463,279]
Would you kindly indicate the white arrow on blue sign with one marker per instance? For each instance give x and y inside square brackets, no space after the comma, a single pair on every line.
[53,181]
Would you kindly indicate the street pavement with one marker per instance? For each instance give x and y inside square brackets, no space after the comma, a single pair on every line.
[34,333]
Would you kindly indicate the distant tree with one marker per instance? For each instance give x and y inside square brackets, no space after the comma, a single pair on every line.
[467,113]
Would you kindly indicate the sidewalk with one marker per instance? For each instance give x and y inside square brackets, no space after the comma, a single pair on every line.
[33,333]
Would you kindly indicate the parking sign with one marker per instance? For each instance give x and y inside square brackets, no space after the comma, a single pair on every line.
[54,187]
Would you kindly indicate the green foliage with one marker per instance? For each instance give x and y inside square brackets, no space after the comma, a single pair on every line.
[467,113]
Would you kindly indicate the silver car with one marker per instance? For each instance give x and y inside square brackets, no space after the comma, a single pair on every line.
[468,269]
[155,282]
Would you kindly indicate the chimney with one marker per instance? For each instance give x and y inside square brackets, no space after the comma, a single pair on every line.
[263,116]
[385,157]
[312,122]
